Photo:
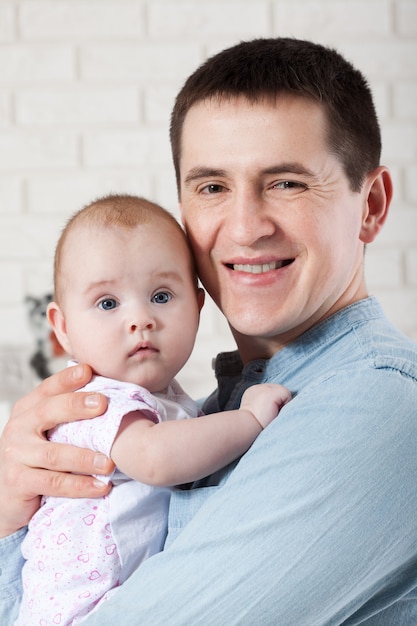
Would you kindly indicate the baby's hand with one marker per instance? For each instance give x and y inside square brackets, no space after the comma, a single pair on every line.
[265,401]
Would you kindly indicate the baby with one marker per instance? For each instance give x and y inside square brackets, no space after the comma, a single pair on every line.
[127,302]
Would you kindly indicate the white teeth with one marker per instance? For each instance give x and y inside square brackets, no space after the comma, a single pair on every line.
[258,269]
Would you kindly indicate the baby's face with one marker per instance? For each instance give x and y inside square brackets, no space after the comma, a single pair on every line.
[129,301]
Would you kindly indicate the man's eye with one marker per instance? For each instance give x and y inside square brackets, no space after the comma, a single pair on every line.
[212,188]
[289,184]
[107,304]
[162,297]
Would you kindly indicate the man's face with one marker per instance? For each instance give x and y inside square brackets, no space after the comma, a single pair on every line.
[275,227]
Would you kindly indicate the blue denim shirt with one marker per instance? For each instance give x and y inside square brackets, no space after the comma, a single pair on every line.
[317,523]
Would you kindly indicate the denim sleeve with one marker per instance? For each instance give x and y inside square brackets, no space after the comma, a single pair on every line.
[317,523]
[11,563]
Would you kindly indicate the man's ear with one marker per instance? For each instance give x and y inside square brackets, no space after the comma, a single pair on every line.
[57,321]
[378,189]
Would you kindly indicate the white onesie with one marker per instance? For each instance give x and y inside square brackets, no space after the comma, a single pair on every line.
[78,549]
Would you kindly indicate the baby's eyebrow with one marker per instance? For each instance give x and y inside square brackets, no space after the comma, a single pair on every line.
[100,284]
[169,274]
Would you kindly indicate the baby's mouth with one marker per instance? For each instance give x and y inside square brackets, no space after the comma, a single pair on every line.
[143,347]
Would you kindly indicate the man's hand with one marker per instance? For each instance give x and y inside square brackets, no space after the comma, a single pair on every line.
[31,466]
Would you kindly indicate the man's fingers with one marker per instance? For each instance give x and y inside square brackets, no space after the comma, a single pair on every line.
[63,458]
[67,380]
[49,411]
[30,465]
[58,457]
[67,407]
[72,485]
[60,484]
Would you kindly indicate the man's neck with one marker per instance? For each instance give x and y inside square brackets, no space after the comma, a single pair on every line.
[255,347]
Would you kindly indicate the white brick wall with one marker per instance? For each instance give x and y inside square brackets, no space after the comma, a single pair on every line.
[86,89]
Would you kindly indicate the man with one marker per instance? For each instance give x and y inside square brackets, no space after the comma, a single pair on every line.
[276,147]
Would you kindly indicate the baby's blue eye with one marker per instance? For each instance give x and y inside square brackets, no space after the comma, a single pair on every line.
[107,304]
[162,297]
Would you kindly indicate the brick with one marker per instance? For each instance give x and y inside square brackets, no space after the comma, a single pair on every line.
[329,18]
[406,17]
[383,267]
[37,150]
[398,304]
[5,110]
[15,377]
[14,329]
[411,266]
[25,239]
[77,106]
[399,141]
[405,101]
[164,189]
[411,184]
[158,102]
[120,149]
[187,19]
[400,228]
[39,63]
[11,283]
[67,193]
[7,21]
[145,64]
[389,59]
[80,20]
[10,195]
[38,276]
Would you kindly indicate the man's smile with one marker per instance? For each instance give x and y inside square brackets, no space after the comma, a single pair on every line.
[258,268]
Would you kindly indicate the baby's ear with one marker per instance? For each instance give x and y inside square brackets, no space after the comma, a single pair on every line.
[57,321]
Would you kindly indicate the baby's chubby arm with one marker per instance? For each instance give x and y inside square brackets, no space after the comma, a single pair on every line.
[264,402]
[177,452]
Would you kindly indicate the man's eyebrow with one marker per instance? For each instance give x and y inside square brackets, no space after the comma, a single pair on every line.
[203,172]
[290,167]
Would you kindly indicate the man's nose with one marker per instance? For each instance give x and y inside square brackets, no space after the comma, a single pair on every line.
[249,219]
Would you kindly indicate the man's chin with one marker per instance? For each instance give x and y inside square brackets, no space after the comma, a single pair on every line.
[256,326]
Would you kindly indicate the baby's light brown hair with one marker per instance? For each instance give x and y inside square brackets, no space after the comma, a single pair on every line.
[121,210]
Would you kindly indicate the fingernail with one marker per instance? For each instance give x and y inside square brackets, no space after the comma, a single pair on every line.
[77,372]
[98,484]
[100,461]
[92,400]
